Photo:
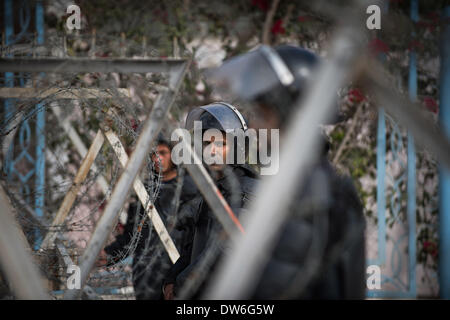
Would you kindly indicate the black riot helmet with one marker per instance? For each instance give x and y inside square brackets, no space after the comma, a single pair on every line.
[218,115]
[224,117]
[161,139]
[272,77]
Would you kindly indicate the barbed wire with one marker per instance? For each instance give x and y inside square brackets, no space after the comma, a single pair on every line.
[123,114]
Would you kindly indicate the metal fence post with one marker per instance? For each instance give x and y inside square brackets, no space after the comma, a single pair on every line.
[381,192]
[444,188]
[40,134]
[9,76]
[411,181]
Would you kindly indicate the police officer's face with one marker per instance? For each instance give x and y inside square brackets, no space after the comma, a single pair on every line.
[162,157]
[264,117]
[217,147]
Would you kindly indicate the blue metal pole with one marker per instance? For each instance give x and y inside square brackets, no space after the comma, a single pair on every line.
[9,76]
[40,134]
[381,176]
[9,31]
[444,188]
[411,183]
[381,196]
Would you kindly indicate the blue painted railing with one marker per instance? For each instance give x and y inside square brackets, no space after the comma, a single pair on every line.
[40,135]
[444,188]
[402,289]
[25,153]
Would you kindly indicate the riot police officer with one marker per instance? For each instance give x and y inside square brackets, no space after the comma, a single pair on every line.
[320,252]
[235,181]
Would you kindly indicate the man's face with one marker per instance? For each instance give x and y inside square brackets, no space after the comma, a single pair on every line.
[216,147]
[162,157]
[264,117]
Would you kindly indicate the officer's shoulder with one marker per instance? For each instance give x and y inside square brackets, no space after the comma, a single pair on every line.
[246,172]
[343,187]
[248,178]
[189,188]
[342,182]
[248,188]
[188,182]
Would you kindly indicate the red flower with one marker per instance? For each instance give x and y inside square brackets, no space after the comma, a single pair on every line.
[415,45]
[431,104]
[431,248]
[356,95]
[278,27]
[434,16]
[431,22]
[434,253]
[261,4]
[426,24]
[303,18]
[134,124]
[377,46]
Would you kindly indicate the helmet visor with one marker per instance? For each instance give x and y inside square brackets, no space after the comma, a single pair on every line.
[246,76]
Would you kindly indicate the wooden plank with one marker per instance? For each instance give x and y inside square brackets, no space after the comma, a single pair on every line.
[145,199]
[79,144]
[72,193]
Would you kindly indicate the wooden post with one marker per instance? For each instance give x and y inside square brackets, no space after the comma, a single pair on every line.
[72,194]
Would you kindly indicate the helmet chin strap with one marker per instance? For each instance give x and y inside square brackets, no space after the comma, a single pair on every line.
[239,115]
